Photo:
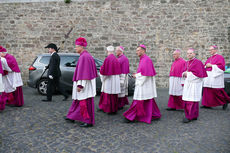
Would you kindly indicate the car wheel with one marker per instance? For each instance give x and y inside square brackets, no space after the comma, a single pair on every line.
[42,86]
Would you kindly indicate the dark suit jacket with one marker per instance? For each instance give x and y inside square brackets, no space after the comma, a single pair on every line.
[54,66]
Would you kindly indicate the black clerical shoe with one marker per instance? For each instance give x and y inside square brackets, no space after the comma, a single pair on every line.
[225,106]
[170,109]
[99,110]
[65,98]
[67,119]
[127,121]
[86,125]
[120,108]
[46,100]
[112,113]
[206,107]
[185,120]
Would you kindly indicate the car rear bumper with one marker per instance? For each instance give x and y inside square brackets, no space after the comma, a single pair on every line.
[31,84]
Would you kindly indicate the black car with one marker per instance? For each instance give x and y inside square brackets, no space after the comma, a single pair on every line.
[67,65]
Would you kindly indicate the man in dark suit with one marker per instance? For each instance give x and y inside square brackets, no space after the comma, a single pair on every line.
[54,74]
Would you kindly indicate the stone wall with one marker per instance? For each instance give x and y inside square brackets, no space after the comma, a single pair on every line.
[162,25]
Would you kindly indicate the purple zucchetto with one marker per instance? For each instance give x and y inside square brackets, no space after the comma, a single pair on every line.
[81,42]
[2,49]
[121,48]
[142,46]
[177,51]
[214,47]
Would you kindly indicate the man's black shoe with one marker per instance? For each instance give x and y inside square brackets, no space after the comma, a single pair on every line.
[206,107]
[46,100]
[65,98]
[225,106]
[86,125]
[112,113]
[67,119]
[185,120]
[99,110]
[120,108]
[170,109]
[127,121]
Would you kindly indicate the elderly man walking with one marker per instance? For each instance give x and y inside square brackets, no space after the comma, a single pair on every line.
[194,73]
[110,77]
[213,91]
[13,94]
[175,82]
[84,87]
[144,107]
[124,63]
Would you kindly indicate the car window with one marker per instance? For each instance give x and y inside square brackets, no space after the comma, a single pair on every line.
[98,63]
[69,61]
[45,60]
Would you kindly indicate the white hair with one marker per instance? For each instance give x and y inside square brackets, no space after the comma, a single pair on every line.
[110,48]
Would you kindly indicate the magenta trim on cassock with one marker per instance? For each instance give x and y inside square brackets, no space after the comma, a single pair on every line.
[86,67]
[82,112]
[108,102]
[213,97]
[146,67]
[177,67]
[196,67]
[122,101]
[143,111]
[191,110]
[1,70]
[111,66]
[175,102]
[124,63]
[14,98]
[216,60]
[12,63]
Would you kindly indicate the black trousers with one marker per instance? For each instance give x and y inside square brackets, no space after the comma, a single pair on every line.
[53,85]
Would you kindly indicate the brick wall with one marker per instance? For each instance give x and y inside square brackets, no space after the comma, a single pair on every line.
[162,25]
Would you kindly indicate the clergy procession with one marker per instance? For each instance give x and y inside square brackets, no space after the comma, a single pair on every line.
[190,81]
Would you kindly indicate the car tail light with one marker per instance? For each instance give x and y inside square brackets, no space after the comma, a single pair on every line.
[31,68]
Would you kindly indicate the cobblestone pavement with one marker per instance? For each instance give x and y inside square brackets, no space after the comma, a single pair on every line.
[40,127]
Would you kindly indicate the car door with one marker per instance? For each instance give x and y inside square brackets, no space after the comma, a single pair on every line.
[67,66]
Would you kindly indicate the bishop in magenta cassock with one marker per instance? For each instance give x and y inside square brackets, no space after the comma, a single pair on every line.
[175,82]
[213,90]
[2,104]
[194,73]
[124,78]
[84,87]
[110,77]
[13,94]
[143,107]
